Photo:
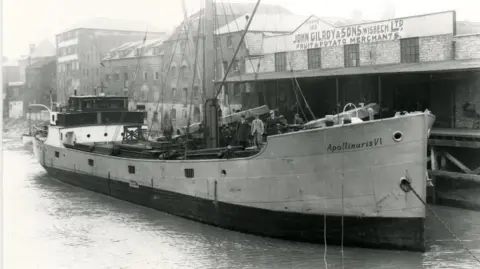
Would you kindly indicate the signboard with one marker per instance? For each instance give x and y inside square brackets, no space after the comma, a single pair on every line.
[315,37]
[315,33]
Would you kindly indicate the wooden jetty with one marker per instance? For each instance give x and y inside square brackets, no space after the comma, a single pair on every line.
[454,163]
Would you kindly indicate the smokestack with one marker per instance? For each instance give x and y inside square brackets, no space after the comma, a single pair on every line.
[31,48]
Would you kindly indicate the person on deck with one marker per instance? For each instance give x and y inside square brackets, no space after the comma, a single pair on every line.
[298,119]
[243,129]
[168,131]
[272,124]
[226,135]
[257,131]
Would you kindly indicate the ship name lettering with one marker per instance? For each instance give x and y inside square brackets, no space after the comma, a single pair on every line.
[332,148]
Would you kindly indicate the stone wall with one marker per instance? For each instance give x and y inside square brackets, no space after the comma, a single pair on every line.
[467,47]
[387,52]
[436,48]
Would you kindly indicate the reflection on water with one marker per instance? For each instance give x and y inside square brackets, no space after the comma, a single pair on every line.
[48,224]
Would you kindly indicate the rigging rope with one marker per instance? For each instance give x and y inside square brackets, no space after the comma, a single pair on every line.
[406,186]
[164,82]
[249,59]
[238,47]
[304,100]
[219,40]
[115,134]
[298,102]
[238,29]
[193,84]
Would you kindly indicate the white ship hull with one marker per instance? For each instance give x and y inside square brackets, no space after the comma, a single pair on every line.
[350,173]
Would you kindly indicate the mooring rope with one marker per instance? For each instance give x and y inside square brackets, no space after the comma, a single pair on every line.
[406,186]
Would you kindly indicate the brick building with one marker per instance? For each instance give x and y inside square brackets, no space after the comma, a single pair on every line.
[403,64]
[134,69]
[181,53]
[228,38]
[80,50]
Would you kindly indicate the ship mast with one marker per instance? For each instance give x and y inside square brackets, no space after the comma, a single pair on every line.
[211,102]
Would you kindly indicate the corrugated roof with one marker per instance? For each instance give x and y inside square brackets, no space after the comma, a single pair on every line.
[339,22]
[451,65]
[226,12]
[114,24]
[127,50]
[264,22]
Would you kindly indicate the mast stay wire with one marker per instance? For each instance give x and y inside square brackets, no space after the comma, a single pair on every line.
[221,50]
[247,54]
[185,47]
[238,29]
[195,66]
[235,52]
[304,100]
[218,43]
[115,134]
[294,79]
[298,101]
[165,81]
[238,48]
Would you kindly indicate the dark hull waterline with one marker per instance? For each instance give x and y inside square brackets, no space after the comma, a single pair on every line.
[370,232]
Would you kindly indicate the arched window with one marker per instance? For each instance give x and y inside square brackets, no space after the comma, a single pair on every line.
[174,93]
[184,71]
[196,114]
[173,71]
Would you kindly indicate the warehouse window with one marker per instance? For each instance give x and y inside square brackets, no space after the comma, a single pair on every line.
[280,61]
[409,48]
[352,55]
[314,58]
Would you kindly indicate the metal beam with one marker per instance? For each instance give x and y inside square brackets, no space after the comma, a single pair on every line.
[457,163]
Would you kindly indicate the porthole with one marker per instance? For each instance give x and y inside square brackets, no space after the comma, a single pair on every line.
[224,173]
[88,135]
[105,134]
[121,134]
[397,136]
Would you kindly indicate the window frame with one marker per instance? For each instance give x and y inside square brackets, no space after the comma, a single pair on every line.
[314,57]
[410,50]
[280,66]
[350,50]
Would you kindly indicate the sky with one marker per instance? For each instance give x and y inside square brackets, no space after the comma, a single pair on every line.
[30,21]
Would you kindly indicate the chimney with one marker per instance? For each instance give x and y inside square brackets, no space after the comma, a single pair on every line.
[31,48]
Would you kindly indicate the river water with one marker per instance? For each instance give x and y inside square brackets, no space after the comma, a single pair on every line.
[48,224]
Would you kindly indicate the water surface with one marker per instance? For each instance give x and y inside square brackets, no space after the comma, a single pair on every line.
[48,224]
